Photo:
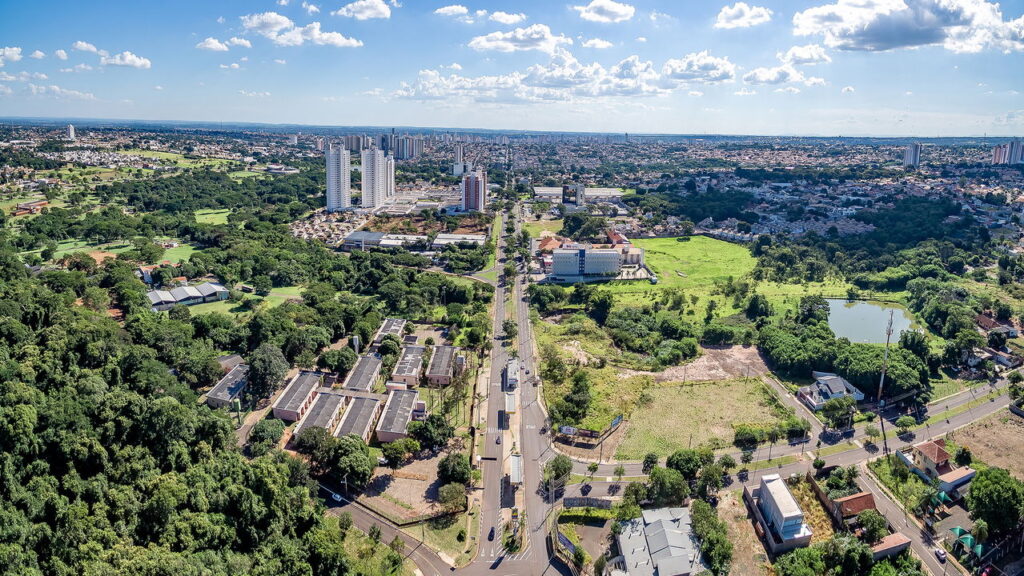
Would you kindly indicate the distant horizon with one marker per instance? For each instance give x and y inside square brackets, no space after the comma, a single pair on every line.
[86,121]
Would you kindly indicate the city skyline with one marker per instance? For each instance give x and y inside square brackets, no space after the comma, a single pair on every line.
[895,68]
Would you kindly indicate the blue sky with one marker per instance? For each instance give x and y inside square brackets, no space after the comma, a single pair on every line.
[815,67]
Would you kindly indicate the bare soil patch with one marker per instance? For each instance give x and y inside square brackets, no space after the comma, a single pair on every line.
[748,555]
[409,493]
[996,440]
[715,363]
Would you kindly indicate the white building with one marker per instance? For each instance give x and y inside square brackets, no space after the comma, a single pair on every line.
[378,178]
[339,179]
[912,155]
[460,166]
[71,132]
[780,509]
[1009,153]
[474,191]
[577,260]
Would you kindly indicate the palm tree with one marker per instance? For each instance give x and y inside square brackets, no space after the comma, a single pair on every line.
[620,471]
[592,469]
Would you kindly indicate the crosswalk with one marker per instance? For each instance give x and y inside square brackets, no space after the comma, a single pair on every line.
[497,551]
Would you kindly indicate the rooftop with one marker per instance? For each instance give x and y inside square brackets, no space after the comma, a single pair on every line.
[933,451]
[358,417]
[398,411]
[661,543]
[230,385]
[298,390]
[410,362]
[441,361]
[392,326]
[364,373]
[322,412]
[781,495]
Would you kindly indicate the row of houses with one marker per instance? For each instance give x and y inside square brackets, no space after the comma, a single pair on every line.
[160,300]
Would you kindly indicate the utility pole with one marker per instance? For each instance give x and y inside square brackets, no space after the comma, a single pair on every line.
[881,384]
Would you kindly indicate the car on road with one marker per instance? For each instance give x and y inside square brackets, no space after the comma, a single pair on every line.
[490,535]
[940,554]
[527,372]
[497,440]
[336,497]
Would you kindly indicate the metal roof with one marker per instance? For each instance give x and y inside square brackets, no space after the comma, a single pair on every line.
[358,417]
[392,326]
[441,361]
[410,362]
[364,373]
[322,412]
[231,385]
[210,288]
[398,411]
[661,543]
[298,390]
[515,469]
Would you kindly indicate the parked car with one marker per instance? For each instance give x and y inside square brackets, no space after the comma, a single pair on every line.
[940,554]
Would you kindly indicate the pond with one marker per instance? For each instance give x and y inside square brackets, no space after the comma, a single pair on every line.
[866,321]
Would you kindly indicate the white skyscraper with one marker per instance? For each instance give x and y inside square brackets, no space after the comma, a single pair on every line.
[459,167]
[71,132]
[378,177]
[474,191]
[912,155]
[339,179]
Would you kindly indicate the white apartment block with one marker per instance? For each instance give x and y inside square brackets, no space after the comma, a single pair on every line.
[585,261]
[339,179]
[378,172]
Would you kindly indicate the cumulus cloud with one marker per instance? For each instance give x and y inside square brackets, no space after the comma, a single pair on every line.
[310,8]
[506,18]
[37,54]
[128,59]
[641,39]
[534,37]
[452,10]
[22,76]
[9,54]
[213,45]
[596,43]
[700,67]
[848,90]
[606,11]
[251,94]
[235,41]
[5,90]
[280,61]
[788,90]
[232,66]
[773,75]
[58,92]
[82,46]
[364,10]
[283,32]
[742,15]
[61,54]
[809,54]
[83,67]
[963,26]
[695,93]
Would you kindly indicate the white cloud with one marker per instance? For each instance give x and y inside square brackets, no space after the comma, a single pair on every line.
[606,11]
[745,92]
[809,54]
[773,75]
[695,93]
[596,43]
[61,54]
[282,2]
[213,45]
[453,66]
[788,90]
[84,47]
[251,94]
[37,54]
[220,20]
[506,18]
[283,32]
[534,37]
[661,17]
[848,90]
[700,67]
[280,61]
[742,15]
[236,41]
[9,54]
[5,90]
[310,8]
[22,76]
[158,88]
[128,59]
[452,10]
[963,26]
[232,66]
[364,10]
[58,92]
[641,39]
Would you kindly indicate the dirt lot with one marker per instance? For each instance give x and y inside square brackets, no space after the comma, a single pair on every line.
[408,493]
[418,225]
[996,441]
[748,555]
[715,363]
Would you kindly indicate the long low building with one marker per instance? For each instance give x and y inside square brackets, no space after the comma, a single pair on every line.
[661,542]
[390,327]
[326,413]
[364,374]
[442,240]
[298,396]
[230,387]
[160,300]
[401,407]
[409,366]
[359,418]
[442,366]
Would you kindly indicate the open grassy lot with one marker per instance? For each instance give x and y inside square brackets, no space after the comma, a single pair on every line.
[814,514]
[442,534]
[748,554]
[240,174]
[212,216]
[535,227]
[176,159]
[671,417]
[181,252]
[65,247]
[276,297]
[369,558]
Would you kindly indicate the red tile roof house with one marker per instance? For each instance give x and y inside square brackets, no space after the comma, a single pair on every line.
[930,460]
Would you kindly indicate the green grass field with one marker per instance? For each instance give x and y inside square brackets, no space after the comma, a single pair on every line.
[182,252]
[177,159]
[691,264]
[212,216]
[240,174]
[535,227]
[66,247]
[276,297]
[676,416]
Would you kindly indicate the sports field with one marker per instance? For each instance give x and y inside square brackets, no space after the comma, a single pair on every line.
[535,227]
[210,216]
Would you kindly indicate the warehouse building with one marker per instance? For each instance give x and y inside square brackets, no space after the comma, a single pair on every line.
[442,366]
[326,413]
[391,326]
[359,417]
[401,408]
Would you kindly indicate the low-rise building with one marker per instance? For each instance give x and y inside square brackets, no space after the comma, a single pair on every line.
[364,374]
[659,543]
[359,417]
[442,240]
[400,409]
[390,326]
[932,462]
[409,367]
[298,396]
[777,515]
[362,240]
[827,386]
[326,413]
[228,388]
[442,366]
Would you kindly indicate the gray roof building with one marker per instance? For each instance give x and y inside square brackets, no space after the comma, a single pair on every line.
[229,387]
[442,362]
[295,400]
[394,423]
[359,417]
[325,413]
[409,365]
[392,326]
[363,374]
[660,543]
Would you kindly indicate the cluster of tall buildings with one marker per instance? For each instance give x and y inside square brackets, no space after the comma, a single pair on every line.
[912,155]
[401,147]
[378,178]
[1009,153]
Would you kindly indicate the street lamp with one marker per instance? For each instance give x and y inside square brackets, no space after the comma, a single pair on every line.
[881,384]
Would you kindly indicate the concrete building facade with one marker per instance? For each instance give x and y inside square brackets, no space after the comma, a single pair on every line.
[339,179]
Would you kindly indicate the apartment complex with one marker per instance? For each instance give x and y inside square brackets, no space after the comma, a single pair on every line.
[378,174]
[474,191]
[339,179]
